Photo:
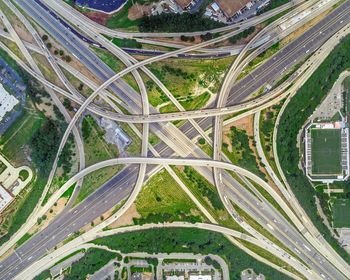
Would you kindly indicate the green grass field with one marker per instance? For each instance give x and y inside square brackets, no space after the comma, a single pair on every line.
[326,151]
[341,210]
[120,19]
[14,140]
[163,200]
[96,150]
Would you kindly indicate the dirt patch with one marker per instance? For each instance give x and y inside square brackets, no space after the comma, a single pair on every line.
[245,123]
[100,18]
[46,107]
[50,215]
[138,11]
[23,33]
[181,168]
[126,218]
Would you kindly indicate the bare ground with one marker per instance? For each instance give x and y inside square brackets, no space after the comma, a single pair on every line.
[127,218]
[138,11]
[100,18]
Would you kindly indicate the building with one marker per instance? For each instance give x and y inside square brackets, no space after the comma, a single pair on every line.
[184,4]
[11,183]
[7,102]
[5,198]
[326,151]
[200,277]
[233,7]
[174,277]
[249,274]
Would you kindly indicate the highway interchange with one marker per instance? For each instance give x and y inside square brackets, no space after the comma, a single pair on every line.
[323,262]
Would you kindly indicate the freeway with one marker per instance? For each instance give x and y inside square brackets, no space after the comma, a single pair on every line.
[133,51]
[61,227]
[54,257]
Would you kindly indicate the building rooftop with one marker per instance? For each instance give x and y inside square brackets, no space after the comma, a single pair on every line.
[231,7]
[174,277]
[5,198]
[183,3]
[7,102]
[200,277]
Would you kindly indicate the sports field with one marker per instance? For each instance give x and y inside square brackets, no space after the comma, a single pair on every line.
[341,210]
[326,151]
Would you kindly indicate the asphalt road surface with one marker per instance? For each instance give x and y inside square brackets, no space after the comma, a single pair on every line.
[121,185]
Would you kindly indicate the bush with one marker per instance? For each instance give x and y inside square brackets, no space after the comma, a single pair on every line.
[23,175]
[185,22]
[201,141]
[44,145]
[44,37]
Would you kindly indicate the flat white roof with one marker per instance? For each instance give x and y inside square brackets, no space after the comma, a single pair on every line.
[215,7]
[7,102]
[5,198]
[174,277]
[200,277]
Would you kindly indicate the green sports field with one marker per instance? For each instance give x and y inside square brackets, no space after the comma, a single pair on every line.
[326,151]
[341,210]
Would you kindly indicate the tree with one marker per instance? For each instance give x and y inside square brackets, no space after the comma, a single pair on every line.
[68,58]
[201,141]
[44,37]
[49,45]
[44,144]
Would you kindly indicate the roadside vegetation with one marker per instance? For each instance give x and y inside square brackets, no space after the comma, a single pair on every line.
[181,77]
[163,200]
[207,195]
[116,65]
[120,19]
[260,59]
[244,34]
[96,150]
[92,261]
[301,106]
[240,152]
[171,22]
[273,5]
[188,241]
[32,140]
[19,141]
[267,123]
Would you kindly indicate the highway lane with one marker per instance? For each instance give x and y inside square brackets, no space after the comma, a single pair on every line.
[128,50]
[51,259]
[272,69]
[46,236]
[72,221]
[79,50]
[218,132]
